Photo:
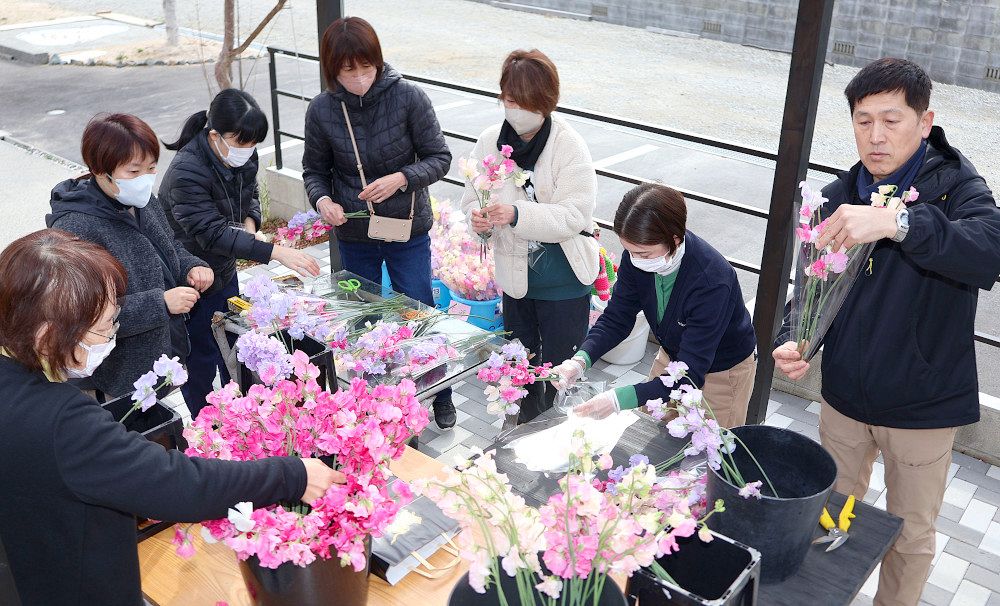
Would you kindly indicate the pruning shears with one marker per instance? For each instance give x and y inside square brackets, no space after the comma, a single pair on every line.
[836,534]
[351,285]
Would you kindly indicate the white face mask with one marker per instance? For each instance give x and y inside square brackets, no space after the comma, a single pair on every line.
[523,121]
[237,156]
[95,355]
[136,191]
[660,265]
[358,84]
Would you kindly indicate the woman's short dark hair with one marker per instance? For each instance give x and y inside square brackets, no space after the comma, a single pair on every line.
[56,285]
[652,214]
[888,75]
[232,111]
[113,140]
[349,41]
[530,79]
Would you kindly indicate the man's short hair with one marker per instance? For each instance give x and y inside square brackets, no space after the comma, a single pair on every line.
[888,75]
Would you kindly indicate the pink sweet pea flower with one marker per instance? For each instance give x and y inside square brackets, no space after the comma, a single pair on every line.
[836,261]
[818,269]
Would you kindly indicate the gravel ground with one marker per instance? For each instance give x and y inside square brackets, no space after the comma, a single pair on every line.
[712,88]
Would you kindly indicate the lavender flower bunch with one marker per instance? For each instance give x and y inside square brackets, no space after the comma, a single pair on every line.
[169,369]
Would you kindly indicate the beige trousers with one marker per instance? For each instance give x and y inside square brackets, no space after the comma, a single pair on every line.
[726,392]
[916,472]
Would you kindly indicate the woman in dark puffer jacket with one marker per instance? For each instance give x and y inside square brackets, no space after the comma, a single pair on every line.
[402,152]
[210,193]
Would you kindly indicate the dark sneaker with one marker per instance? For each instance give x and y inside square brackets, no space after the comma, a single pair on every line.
[444,413]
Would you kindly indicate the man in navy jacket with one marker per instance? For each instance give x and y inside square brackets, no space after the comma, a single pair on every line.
[899,366]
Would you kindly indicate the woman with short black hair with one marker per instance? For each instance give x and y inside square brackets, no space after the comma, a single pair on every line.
[113,206]
[210,192]
[370,116]
[73,478]
[692,300]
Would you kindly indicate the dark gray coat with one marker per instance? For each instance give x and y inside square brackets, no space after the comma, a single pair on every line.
[80,207]
[202,196]
[397,131]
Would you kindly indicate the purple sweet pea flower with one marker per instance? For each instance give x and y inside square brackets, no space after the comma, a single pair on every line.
[256,351]
[260,289]
[637,460]
[171,369]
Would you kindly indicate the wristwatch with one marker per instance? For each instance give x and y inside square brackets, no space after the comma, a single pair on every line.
[902,225]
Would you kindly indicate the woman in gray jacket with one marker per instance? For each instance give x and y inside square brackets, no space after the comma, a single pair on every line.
[402,152]
[114,206]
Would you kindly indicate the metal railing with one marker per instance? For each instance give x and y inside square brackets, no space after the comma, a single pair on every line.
[739,207]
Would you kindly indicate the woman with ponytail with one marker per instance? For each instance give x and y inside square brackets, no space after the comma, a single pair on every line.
[210,192]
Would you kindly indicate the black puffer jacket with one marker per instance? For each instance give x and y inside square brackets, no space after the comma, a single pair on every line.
[900,352]
[202,196]
[397,131]
[81,208]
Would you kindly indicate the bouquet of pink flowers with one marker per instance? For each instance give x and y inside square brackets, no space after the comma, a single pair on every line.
[306,226]
[506,373]
[562,552]
[825,276]
[489,175]
[469,275]
[449,234]
[362,428]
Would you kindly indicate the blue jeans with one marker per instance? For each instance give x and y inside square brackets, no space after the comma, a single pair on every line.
[205,358]
[409,266]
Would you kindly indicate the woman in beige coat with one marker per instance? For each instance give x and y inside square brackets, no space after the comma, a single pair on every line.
[542,233]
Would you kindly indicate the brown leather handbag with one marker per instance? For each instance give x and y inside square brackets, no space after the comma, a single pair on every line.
[387,229]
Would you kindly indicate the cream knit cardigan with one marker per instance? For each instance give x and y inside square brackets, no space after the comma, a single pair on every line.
[566,192]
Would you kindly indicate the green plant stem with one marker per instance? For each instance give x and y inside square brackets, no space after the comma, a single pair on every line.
[757,463]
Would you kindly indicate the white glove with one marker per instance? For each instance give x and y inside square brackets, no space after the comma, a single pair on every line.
[568,372]
[599,406]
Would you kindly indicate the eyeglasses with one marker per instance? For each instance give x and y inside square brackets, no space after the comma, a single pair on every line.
[114,326]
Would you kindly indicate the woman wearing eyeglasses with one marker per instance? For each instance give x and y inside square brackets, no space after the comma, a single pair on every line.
[114,206]
[73,479]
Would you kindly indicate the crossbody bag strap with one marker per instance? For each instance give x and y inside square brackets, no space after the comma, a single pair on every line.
[357,155]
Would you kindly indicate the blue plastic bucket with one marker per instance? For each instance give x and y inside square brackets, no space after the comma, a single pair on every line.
[386,282]
[442,295]
[484,314]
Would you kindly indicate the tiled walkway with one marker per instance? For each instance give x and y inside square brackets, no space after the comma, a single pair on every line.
[966,568]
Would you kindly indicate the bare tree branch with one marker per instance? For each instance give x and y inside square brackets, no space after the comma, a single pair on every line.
[260,26]
[223,67]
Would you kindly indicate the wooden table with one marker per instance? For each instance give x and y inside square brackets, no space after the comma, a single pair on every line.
[213,575]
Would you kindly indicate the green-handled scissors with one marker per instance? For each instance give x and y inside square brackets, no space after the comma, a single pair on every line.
[351,285]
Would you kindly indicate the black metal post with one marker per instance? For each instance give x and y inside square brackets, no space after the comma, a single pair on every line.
[812,31]
[273,73]
[327,11]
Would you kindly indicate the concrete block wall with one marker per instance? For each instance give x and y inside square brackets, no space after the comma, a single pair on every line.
[956,41]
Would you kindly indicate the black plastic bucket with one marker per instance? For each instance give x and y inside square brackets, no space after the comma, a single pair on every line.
[781,529]
[322,583]
[721,572]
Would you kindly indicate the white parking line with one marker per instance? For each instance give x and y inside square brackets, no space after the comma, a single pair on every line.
[625,155]
[452,105]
